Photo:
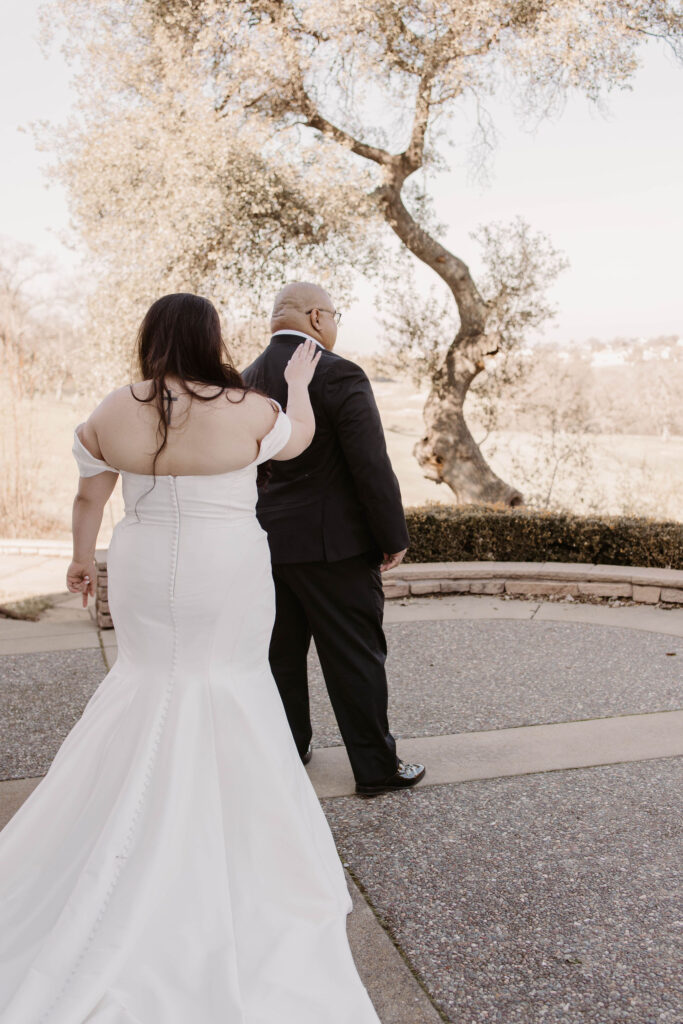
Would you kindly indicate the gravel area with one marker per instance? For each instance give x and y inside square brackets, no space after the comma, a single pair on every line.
[41,698]
[460,676]
[546,899]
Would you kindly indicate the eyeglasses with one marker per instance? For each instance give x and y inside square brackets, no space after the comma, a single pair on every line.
[333,313]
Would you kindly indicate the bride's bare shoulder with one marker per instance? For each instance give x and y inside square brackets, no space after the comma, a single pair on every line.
[138,391]
[260,411]
[115,399]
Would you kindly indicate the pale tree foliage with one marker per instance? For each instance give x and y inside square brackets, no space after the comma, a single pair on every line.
[578,432]
[626,385]
[519,266]
[38,350]
[220,146]
[40,323]
[659,367]
[417,327]
[170,194]
[548,406]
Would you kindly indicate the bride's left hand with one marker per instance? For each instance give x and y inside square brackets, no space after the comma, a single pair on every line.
[80,579]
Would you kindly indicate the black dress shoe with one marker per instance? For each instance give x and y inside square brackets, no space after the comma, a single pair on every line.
[406,775]
[305,758]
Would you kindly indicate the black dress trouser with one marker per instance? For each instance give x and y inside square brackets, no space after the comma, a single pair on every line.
[341,605]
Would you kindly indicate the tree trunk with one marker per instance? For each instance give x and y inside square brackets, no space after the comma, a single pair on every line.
[448,453]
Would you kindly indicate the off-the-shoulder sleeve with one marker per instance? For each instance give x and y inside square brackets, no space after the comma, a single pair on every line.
[88,465]
[275,440]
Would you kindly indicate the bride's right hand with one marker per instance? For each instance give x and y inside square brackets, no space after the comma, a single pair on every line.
[80,579]
[301,366]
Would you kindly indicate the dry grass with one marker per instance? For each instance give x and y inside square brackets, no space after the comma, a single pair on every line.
[48,475]
[29,609]
[642,475]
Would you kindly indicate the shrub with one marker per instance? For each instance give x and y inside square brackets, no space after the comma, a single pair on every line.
[470,533]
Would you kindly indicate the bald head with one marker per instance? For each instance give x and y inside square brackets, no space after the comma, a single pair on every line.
[297,298]
[306,307]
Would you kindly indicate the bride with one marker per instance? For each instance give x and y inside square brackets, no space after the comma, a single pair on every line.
[174,865]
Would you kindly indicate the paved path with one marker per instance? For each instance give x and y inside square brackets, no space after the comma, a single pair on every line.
[530,878]
[31,574]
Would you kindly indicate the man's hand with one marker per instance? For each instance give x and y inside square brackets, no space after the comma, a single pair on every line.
[391,561]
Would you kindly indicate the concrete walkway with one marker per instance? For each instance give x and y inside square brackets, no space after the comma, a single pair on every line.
[519,668]
[32,571]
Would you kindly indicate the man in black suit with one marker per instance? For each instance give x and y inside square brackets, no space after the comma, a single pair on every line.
[332,515]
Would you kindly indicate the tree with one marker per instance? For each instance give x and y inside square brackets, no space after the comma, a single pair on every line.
[238,138]
[38,349]
[169,193]
[658,364]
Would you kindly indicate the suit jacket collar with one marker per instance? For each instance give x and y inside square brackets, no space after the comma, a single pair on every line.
[294,336]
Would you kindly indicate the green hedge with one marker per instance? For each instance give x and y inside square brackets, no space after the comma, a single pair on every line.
[474,533]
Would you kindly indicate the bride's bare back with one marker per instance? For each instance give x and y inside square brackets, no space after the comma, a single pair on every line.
[204,437]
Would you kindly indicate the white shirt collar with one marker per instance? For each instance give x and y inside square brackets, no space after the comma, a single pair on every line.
[299,334]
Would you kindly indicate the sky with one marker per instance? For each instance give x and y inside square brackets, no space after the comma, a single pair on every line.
[607,191]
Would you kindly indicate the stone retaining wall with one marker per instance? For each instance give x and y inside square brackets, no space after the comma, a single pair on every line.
[102,613]
[518,579]
[537,579]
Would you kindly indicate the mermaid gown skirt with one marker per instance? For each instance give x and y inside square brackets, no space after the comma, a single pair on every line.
[175,865]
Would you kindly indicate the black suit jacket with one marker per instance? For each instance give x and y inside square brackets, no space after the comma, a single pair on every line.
[340,497]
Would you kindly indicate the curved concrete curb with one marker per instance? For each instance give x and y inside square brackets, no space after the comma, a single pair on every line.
[536,579]
[48,548]
[521,750]
[517,579]
[470,607]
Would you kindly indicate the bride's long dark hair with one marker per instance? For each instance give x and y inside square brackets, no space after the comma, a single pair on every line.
[180,337]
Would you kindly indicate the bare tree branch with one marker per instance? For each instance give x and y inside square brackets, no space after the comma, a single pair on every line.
[331,131]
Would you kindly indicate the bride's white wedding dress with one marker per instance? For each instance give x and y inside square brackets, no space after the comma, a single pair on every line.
[175,866]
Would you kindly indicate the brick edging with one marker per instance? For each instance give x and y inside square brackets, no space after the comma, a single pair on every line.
[535,579]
